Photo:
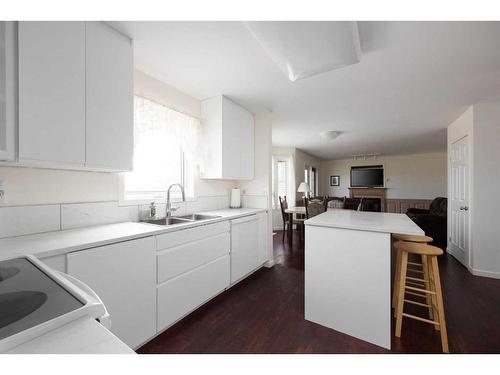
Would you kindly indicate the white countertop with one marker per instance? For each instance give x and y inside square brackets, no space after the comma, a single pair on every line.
[93,338]
[366,221]
[60,242]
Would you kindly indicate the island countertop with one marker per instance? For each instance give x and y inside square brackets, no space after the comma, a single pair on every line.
[366,221]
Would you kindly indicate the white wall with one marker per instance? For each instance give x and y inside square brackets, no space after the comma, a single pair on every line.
[481,122]
[415,176]
[486,187]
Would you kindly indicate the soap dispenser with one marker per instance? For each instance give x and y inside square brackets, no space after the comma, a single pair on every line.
[152,210]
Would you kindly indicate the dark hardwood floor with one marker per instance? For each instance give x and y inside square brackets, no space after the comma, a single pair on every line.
[265,314]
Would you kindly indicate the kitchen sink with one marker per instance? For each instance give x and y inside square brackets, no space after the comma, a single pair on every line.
[197,217]
[181,219]
[168,221]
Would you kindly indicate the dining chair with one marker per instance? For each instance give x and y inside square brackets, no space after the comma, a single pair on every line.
[314,208]
[284,215]
[352,204]
[334,202]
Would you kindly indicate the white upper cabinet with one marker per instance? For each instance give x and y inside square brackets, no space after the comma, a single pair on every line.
[75,96]
[110,101]
[228,133]
[52,92]
[8,113]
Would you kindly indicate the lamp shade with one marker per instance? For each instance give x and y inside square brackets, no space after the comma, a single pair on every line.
[303,188]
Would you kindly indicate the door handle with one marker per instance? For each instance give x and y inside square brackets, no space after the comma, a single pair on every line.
[464,208]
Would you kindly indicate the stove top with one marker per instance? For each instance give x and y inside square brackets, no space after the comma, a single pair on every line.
[29,297]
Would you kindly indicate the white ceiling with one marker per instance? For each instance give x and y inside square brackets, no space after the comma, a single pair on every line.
[414,78]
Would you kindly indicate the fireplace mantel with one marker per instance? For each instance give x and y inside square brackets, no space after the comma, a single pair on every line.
[370,192]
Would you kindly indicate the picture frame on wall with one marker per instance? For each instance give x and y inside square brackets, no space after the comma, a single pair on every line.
[334,180]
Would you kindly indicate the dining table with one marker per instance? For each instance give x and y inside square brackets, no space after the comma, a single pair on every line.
[297,210]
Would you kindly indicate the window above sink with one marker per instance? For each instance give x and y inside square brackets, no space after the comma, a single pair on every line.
[165,146]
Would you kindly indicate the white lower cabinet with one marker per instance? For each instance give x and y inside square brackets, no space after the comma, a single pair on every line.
[193,267]
[124,277]
[150,283]
[181,295]
[244,246]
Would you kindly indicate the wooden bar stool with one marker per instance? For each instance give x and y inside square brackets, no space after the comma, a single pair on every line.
[417,268]
[428,288]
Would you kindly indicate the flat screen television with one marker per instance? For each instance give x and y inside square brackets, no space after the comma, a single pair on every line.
[367,176]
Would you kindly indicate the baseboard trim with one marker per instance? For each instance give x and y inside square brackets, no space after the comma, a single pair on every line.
[476,272]
[269,263]
[490,274]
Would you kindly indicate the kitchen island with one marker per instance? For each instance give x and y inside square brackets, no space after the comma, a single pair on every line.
[348,271]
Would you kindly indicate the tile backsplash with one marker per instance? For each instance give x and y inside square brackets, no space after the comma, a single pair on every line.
[22,220]
[79,215]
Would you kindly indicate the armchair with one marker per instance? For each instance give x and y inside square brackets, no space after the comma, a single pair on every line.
[433,221]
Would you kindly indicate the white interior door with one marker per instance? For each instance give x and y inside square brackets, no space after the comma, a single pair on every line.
[459,189]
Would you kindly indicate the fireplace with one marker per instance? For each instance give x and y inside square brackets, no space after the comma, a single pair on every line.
[371,204]
[372,196]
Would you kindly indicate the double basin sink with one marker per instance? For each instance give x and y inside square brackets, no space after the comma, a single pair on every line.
[181,219]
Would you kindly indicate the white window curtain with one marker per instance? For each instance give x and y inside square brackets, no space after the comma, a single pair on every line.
[165,144]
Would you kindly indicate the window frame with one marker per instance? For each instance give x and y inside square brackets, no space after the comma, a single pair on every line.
[289,182]
[124,201]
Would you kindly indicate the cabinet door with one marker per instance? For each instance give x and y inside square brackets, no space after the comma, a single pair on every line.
[244,247]
[7,90]
[237,142]
[263,237]
[52,92]
[124,277]
[110,106]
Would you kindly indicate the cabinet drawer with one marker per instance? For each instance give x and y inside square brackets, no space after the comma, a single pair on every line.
[167,240]
[181,295]
[180,259]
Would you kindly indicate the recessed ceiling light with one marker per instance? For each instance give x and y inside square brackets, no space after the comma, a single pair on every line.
[329,134]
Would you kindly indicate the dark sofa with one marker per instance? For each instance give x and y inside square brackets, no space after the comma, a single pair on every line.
[432,221]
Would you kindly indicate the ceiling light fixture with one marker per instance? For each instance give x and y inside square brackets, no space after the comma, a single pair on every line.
[373,155]
[302,49]
[329,134]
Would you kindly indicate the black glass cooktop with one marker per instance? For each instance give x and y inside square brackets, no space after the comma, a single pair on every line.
[29,297]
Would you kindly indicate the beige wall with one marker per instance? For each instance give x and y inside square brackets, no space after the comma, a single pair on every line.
[303,159]
[416,176]
[152,89]
[25,186]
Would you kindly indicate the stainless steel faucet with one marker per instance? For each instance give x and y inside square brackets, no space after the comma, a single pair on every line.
[169,205]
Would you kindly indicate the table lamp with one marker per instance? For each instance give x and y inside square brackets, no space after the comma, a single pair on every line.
[303,188]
